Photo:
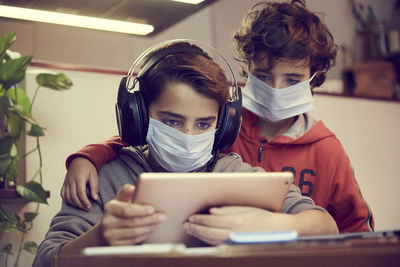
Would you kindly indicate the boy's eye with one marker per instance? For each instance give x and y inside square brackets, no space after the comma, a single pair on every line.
[203,125]
[264,78]
[292,81]
[171,123]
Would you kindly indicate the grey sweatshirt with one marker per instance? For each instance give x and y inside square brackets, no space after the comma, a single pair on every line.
[70,222]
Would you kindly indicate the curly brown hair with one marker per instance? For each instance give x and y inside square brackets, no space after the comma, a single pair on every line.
[286,31]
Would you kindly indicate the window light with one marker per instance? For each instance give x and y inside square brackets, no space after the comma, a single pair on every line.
[75,20]
[193,2]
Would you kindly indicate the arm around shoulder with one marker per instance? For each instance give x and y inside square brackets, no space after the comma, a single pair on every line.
[100,153]
[305,216]
[314,222]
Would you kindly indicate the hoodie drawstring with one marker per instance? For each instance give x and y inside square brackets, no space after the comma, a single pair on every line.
[260,150]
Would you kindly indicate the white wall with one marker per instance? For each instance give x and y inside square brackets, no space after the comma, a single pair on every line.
[369,130]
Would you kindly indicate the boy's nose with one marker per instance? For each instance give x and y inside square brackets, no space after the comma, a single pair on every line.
[278,84]
[189,131]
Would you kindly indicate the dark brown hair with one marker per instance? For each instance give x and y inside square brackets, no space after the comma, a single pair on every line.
[286,31]
[193,68]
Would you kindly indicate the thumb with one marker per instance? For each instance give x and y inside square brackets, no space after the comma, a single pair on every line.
[94,184]
[125,193]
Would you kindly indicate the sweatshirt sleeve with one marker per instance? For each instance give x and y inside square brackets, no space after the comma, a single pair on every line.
[99,154]
[295,203]
[70,222]
[347,205]
[67,225]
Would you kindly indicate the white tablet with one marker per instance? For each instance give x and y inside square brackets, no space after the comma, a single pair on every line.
[180,195]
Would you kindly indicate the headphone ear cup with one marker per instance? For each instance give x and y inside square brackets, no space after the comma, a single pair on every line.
[132,116]
[228,124]
[220,122]
[142,124]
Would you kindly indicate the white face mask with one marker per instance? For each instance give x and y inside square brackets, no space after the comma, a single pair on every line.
[277,104]
[176,151]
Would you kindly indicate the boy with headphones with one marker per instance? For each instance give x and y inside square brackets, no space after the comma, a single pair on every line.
[286,51]
[179,105]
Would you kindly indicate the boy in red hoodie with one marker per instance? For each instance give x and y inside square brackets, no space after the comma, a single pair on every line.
[286,51]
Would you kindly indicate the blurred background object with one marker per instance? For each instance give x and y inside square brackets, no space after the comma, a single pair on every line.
[376,73]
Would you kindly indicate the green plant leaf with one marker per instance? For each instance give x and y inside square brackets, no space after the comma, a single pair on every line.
[32,191]
[7,249]
[9,227]
[21,100]
[31,247]
[12,217]
[15,125]
[5,161]
[8,158]
[4,105]
[54,81]
[13,150]
[21,109]
[11,173]
[21,226]
[13,71]
[36,130]
[11,222]
[12,54]
[29,216]
[5,42]
[4,131]
[6,145]
[8,167]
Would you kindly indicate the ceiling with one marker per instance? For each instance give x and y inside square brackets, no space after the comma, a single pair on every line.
[159,13]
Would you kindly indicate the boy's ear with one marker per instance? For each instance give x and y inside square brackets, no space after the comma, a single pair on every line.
[318,80]
[244,72]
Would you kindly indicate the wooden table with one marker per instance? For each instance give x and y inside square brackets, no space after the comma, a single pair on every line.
[377,252]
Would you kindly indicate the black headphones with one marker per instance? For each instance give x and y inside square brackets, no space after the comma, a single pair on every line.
[133,116]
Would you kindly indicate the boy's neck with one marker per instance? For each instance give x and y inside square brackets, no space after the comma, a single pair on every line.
[270,130]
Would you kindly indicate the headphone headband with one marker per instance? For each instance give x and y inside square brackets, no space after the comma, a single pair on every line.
[132,78]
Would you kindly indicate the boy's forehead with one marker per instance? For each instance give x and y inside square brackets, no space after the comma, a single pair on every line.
[261,62]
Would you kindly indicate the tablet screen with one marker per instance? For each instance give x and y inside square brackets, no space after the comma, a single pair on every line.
[180,195]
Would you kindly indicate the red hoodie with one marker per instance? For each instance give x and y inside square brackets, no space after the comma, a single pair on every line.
[308,149]
[318,161]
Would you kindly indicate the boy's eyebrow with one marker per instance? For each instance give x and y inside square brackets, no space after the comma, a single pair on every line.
[295,74]
[207,119]
[179,116]
[299,75]
[172,114]
[262,70]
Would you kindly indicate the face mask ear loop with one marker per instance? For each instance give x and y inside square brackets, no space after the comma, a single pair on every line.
[312,77]
[309,82]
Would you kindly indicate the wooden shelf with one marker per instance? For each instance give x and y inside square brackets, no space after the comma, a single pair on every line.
[349,95]
[11,196]
[358,97]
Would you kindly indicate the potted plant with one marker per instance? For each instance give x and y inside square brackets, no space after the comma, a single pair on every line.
[15,114]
